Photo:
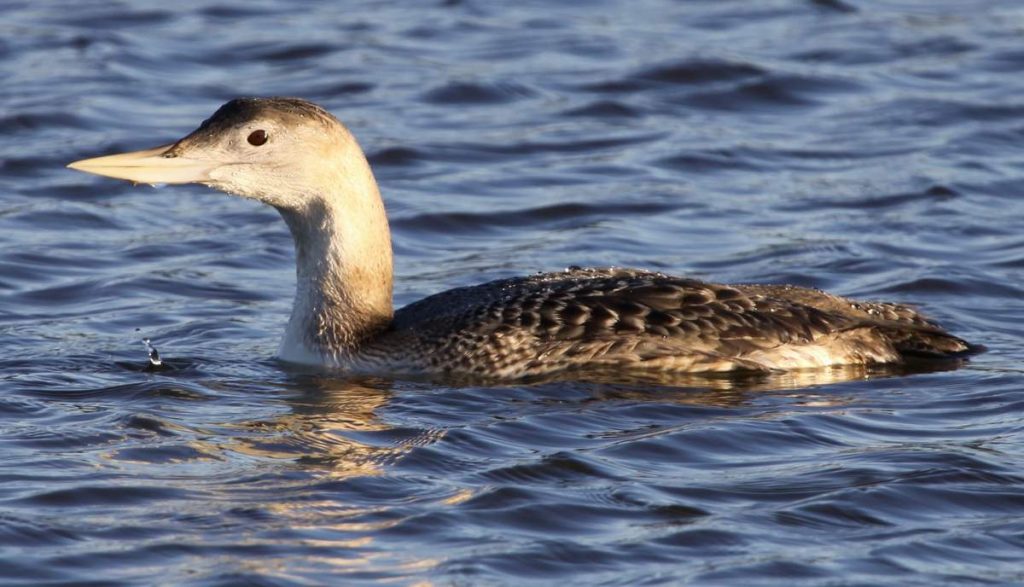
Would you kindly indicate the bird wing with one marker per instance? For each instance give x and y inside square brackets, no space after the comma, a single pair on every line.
[589,317]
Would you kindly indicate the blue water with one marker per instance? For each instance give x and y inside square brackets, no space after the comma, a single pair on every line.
[870,148]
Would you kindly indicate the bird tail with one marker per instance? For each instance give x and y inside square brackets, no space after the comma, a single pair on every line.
[912,341]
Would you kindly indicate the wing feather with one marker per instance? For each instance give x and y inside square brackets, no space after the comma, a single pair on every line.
[626,317]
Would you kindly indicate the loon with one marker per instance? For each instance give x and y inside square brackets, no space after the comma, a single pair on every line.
[297,157]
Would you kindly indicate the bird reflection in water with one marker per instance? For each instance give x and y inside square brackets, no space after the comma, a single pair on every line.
[335,425]
[318,459]
[718,389]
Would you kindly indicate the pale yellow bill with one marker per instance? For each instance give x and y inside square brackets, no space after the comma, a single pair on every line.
[148,166]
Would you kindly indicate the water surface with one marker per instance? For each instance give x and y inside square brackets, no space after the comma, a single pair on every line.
[870,148]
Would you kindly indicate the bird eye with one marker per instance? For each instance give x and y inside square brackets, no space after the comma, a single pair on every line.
[257,137]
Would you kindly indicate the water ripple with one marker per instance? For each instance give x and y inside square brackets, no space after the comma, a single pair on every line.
[873,150]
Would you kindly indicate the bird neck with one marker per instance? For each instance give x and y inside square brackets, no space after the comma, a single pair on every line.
[343,274]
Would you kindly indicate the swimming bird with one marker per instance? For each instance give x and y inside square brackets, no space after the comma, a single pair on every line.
[297,157]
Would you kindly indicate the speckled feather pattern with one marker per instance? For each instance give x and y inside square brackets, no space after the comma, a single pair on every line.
[639,321]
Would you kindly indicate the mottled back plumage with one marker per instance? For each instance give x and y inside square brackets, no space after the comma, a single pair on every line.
[639,320]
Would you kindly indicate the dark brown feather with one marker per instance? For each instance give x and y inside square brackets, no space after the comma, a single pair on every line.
[638,319]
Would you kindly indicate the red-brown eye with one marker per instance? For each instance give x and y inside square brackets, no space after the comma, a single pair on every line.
[257,137]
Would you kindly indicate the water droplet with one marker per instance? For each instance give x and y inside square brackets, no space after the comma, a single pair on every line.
[154,356]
